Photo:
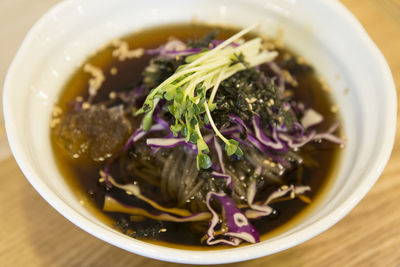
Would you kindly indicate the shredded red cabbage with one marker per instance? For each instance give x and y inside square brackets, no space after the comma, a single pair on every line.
[238,120]
[266,141]
[253,140]
[113,205]
[172,49]
[238,225]
[169,142]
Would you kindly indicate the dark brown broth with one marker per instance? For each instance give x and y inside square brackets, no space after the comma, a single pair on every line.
[83,178]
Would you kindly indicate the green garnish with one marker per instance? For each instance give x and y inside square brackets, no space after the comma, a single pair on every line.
[186,91]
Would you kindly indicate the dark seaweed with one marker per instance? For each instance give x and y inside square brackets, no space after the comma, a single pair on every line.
[245,94]
[161,69]
[203,42]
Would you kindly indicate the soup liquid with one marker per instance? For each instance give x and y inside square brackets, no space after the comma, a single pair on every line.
[83,177]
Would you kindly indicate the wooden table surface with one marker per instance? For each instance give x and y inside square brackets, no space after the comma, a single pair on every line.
[33,234]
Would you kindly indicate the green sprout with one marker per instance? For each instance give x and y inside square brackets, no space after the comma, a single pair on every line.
[186,91]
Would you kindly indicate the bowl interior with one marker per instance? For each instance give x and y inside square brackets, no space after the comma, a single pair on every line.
[323,33]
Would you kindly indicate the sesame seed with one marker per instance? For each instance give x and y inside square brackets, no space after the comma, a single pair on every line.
[113,71]
[288,93]
[86,105]
[112,95]
[250,107]
[57,111]
[54,122]
[301,61]
[251,100]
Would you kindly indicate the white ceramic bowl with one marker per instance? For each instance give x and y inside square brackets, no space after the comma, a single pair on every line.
[324,32]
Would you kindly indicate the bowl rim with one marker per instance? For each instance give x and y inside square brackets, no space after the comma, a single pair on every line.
[217,256]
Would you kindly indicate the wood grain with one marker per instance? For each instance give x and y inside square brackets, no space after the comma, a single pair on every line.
[34,234]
